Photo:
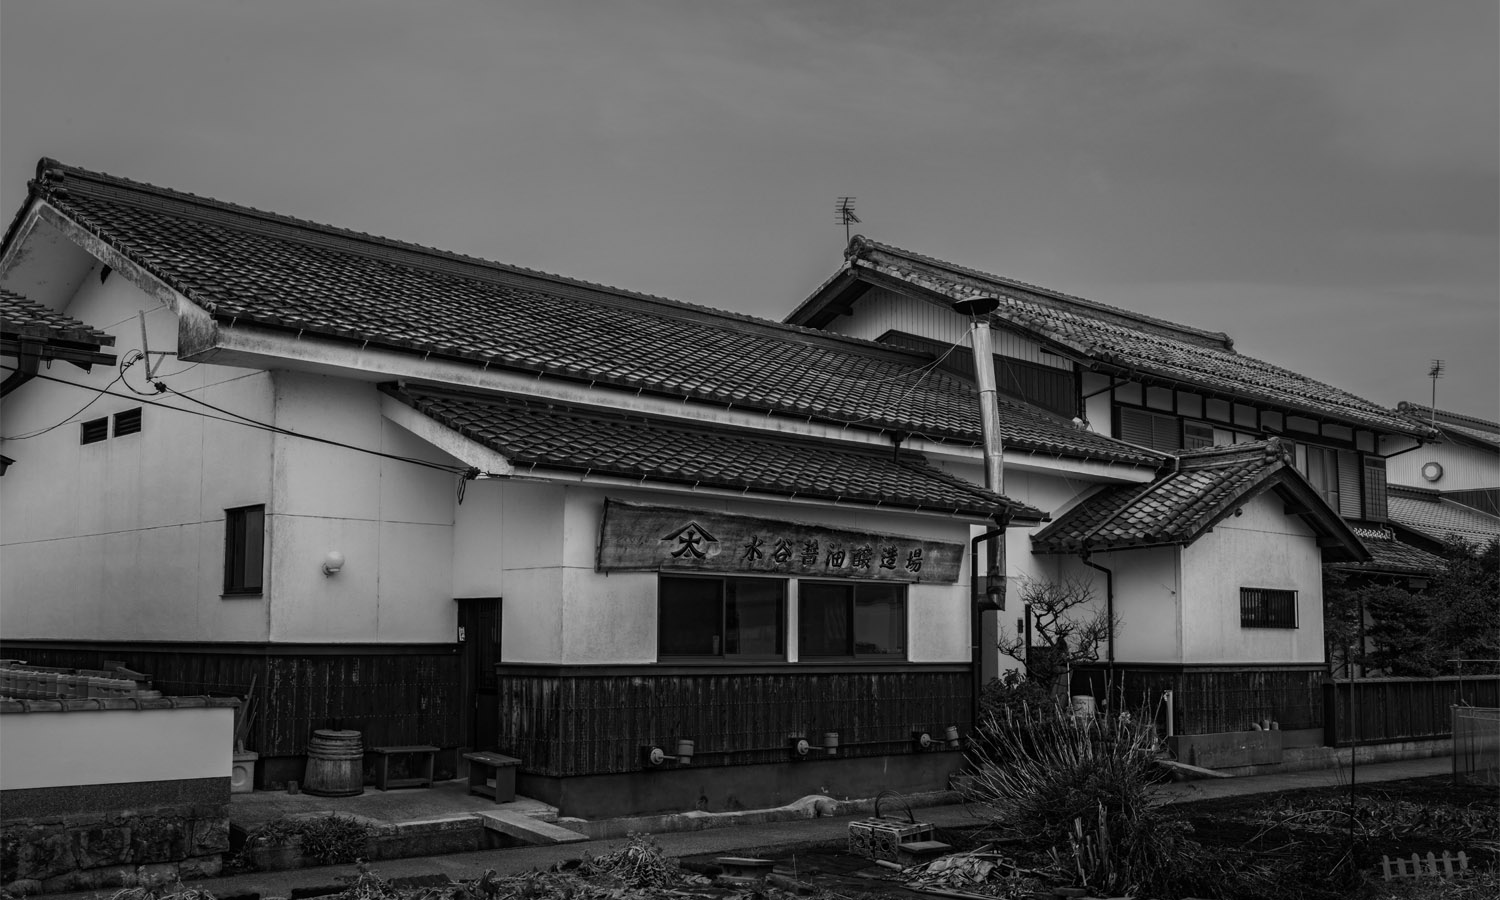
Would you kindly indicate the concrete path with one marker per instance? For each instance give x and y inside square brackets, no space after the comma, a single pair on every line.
[751,840]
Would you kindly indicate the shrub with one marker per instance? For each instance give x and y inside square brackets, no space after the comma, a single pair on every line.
[326,840]
[1081,790]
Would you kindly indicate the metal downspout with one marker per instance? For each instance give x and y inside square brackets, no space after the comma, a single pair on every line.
[1109,612]
[978,309]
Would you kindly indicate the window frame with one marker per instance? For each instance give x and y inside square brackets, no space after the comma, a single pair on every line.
[238,549]
[1256,610]
[853,655]
[723,656]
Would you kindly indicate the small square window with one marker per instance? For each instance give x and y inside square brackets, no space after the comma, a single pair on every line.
[93,431]
[1197,435]
[244,549]
[1267,608]
[128,422]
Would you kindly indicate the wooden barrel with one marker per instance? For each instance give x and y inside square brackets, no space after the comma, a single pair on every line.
[335,764]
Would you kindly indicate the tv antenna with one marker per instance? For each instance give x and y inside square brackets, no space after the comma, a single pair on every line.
[846,215]
[147,352]
[1434,371]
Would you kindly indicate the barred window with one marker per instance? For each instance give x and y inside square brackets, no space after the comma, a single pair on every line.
[1267,608]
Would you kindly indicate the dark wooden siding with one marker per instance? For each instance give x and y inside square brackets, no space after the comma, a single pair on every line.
[574,723]
[400,694]
[1378,710]
[1482,499]
[1208,700]
[1048,387]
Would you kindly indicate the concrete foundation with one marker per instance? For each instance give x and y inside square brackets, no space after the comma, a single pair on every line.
[734,788]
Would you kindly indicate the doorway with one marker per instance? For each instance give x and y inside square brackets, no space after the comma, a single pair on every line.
[479,650]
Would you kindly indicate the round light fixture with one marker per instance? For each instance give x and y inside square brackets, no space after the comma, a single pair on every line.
[1432,471]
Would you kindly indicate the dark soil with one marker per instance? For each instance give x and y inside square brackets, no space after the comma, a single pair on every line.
[1297,845]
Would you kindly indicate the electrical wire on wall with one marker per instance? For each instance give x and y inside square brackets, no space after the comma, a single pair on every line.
[41,431]
[233,418]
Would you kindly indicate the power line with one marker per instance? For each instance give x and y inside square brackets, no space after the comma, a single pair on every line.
[40,432]
[245,421]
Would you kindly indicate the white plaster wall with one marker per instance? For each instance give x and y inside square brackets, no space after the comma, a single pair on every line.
[1464,467]
[1148,600]
[117,746]
[1264,548]
[391,519]
[879,310]
[508,543]
[124,538]
[569,613]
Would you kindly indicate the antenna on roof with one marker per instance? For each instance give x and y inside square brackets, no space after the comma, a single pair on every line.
[1434,371]
[846,215]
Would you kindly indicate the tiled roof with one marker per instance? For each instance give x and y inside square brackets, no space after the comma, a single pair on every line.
[21,318]
[1186,500]
[1453,423]
[1390,555]
[250,267]
[1146,346]
[535,435]
[1426,513]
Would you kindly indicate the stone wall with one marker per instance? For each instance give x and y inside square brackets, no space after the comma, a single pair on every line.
[111,849]
[111,793]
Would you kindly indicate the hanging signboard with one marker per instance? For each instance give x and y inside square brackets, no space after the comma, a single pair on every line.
[642,537]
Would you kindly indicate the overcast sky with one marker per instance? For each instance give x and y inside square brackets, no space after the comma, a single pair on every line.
[1317,179]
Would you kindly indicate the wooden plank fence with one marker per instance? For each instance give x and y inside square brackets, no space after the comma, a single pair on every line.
[1387,710]
[579,723]
[396,695]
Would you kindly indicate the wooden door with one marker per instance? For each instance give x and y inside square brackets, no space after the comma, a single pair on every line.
[479,642]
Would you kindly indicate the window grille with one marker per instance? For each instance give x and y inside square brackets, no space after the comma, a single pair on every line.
[1268,608]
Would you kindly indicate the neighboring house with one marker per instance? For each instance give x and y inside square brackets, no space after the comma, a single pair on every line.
[1450,486]
[1177,390]
[452,502]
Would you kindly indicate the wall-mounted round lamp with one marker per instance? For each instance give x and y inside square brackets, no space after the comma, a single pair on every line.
[333,562]
[1432,471]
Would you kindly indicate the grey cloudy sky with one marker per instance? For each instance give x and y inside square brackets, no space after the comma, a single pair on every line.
[1320,180]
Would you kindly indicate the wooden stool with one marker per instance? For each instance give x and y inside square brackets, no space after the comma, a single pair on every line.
[383,779]
[484,766]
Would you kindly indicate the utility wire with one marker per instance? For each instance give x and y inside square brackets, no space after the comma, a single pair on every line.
[42,431]
[237,419]
[925,370]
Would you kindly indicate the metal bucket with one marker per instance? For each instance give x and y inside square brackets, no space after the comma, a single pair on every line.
[335,764]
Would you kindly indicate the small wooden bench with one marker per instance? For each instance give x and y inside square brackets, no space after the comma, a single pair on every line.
[383,779]
[484,767]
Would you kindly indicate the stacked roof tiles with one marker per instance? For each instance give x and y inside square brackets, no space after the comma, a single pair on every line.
[1148,347]
[247,267]
[536,435]
[1187,499]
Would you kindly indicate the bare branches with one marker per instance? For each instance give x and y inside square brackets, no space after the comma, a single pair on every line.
[1067,627]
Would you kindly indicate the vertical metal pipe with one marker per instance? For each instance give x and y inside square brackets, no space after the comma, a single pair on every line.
[994,478]
[989,409]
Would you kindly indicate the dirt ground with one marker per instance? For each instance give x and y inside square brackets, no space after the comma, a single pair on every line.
[1305,840]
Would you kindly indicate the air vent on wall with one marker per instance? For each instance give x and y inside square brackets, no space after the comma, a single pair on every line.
[128,422]
[93,431]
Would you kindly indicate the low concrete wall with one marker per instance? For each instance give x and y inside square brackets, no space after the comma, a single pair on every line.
[734,788]
[1228,749]
[98,793]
